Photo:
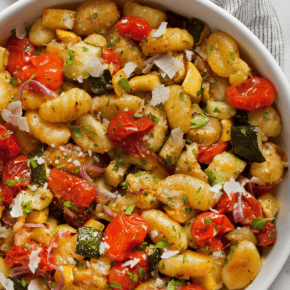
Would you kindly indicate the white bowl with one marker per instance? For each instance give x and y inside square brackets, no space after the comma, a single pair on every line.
[26,11]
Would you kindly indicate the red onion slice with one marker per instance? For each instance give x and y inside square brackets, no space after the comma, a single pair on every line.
[238,213]
[20,271]
[104,195]
[109,212]
[43,90]
[7,222]
[34,225]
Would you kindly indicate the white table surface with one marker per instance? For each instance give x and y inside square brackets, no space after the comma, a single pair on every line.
[282,8]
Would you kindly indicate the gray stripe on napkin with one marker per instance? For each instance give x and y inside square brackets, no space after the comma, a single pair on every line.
[261,18]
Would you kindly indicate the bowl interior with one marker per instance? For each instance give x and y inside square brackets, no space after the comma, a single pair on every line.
[26,11]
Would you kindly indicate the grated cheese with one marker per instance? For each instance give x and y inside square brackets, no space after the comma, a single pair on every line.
[94,67]
[34,285]
[168,253]
[217,191]
[177,135]
[131,263]
[20,31]
[169,64]
[149,63]
[129,68]
[13,115]
[189,54]
[17,210]
[34,260]
[6,283]
[161,30]
[68,20]
[213,210]
[233,186]
[158,282]
[218,254]
[103,247]
[76,163]
[160,95]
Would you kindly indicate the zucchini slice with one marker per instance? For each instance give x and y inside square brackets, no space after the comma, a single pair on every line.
[247,143]
[198,29]
[221,110]
[88,242]
[19,284]
[224,167]
[241,118]
[103,84]
[37,168]
[154,256]
[206,130]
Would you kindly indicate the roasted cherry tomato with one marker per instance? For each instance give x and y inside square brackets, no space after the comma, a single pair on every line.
[110,56]
[134,27]
[127,131]
[9,145]
[250,206]
[20,52]
[208,227]
[23,64]
[123,234]
[19,256]
[206,154]
[254,94]
[260,189]
[16,176]
[72,193]
[268,235]
[193,287]
[127,278]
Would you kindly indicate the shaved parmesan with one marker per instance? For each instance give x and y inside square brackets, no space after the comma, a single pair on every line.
[13,115]
[218,254]
[158,282]
[169,64]
[189,54]
[256,180]
[20,31]
[161,30]
[233,186]
[103,247]
[160,95]
[131,263]
[177,135]
[168,253]
[17,210]
[217,191]
[94,67]
[129,68]
[6,283]
[34,285]
[34,260]
[149,63]
[80,79]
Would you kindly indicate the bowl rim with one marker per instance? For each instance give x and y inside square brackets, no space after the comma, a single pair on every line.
[280,81]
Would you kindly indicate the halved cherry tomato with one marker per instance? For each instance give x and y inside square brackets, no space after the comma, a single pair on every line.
[206,154]
[110,56]
[126,132]
[250,206]
[20,52]
[129,278]
[208,227]
[9,145]
[254,94]
[16,176]
[123,234]
[193,287]
[23,64]
[73,193]
[134,27]
[268,235]
[19,256]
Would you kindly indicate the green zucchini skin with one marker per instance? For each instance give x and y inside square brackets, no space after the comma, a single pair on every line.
[247,144]
[99,85]
[18,284]
[241,118]
[88,242]
[153,260]
[38,171]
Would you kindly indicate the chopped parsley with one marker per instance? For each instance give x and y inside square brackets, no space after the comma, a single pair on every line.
[124,84]
[130,209]
[267,116]
[198,121]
